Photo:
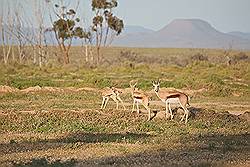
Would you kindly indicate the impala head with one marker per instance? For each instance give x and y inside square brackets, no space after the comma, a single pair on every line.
[156,85]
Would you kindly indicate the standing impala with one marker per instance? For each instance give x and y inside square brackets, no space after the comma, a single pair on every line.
[112,93]
[139,97]
[172,97]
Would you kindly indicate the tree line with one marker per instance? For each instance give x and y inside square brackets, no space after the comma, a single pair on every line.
[18,30]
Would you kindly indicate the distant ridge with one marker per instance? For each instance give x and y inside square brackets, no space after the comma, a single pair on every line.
[132,29]
[180,33]
[185,33]
[240,34]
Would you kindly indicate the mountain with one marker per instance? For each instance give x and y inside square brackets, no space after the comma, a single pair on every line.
[50,36]
[240,34]
[180,33]
[130,29]
[184,33]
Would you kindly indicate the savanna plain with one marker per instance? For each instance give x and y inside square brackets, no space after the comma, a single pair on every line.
[51,116]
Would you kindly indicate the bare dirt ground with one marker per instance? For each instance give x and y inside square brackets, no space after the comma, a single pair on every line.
[148,148]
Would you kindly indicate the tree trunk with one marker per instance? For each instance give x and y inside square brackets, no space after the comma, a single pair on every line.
[86,53]
[4,55]
[40,57]
[34,54]
[65,53]
[13,54]
[66,57]
[98,55]
[20,54]
[91,54]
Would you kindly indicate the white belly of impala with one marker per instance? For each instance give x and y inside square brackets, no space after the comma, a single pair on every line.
[173,100]
[138,100]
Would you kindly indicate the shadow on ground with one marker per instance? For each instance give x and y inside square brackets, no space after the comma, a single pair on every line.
[25,146]
[214,150]
[208,151]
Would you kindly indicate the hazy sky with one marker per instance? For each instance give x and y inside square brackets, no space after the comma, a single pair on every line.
[224,15]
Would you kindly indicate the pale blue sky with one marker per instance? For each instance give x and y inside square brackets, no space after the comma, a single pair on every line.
[225,15]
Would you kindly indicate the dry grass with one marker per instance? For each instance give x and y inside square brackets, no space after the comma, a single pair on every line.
[51,116]
[67,128]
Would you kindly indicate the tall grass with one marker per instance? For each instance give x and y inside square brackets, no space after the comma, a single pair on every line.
[179,68]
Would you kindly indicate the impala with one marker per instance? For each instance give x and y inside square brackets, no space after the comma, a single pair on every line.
[112,93]
[172,97]
[139,97]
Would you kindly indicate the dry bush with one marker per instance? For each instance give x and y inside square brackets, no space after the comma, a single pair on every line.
[147,58]
[129,55]
[199,57]
[239,57]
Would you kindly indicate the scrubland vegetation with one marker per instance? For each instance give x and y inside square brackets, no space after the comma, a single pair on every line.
[59,123]
[179,68]
[50,94]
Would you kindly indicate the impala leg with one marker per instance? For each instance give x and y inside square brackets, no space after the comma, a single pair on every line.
[171,113]
[187,114]
[103,101]
[149,114]
[182,118]
[117,104]
[121,102]
[133,106]
[106,102]
[137,105]
[149,111]
[116,101]
[166,108]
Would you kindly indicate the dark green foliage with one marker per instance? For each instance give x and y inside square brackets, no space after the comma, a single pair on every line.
[104,21]
[104,4]
[115,24]
[24,83]
[66,28]
[103,9]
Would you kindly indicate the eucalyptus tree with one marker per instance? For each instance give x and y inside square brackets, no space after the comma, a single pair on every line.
[104,22]
[65,29]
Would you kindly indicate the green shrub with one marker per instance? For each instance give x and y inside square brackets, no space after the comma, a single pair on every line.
[22,83]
